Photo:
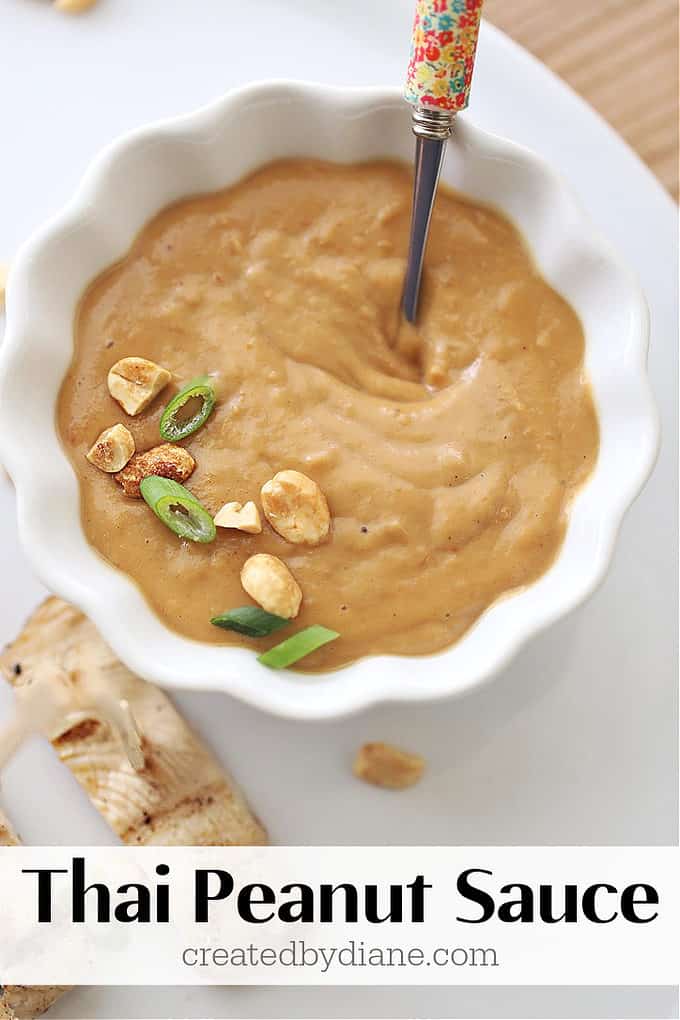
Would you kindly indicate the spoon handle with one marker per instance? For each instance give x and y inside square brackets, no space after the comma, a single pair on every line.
[443,47]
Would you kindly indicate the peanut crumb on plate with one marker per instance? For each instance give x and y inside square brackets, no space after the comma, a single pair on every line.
[388,766]
[73,6]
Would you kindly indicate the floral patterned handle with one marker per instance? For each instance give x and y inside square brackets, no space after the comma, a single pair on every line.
[442,58]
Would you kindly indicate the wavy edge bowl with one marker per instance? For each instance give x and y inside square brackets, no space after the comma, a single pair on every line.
[144,171]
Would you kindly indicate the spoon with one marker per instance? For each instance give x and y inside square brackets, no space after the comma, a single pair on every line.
[438,81]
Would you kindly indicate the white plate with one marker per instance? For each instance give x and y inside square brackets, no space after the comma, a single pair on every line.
[577,743]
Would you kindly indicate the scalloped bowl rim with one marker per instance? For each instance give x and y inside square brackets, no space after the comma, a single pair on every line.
[115,604]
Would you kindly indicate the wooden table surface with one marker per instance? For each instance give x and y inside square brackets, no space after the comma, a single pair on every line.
[620,55]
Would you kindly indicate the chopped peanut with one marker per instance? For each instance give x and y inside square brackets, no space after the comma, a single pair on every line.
[269,581]
[388,766]
[73,6]
[243,518]
[166,460]
[135,382]
[113,449]
[296,508]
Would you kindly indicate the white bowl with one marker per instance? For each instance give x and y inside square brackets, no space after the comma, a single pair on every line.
[149,168]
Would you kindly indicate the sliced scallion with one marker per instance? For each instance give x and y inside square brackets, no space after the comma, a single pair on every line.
[178,509]
[250,620]
[188,410]
[297,647]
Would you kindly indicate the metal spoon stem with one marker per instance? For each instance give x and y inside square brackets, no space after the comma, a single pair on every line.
[432,128]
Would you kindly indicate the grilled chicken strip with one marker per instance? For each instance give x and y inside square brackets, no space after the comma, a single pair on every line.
[182,795]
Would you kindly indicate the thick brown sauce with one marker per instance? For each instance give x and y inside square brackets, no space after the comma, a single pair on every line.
[448,454]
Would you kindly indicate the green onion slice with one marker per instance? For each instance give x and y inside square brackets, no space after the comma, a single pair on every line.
[250,620]
[178,509]
[296,647]
[187,411]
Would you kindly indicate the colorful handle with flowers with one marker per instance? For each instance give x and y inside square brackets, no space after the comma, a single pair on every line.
[442,58]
